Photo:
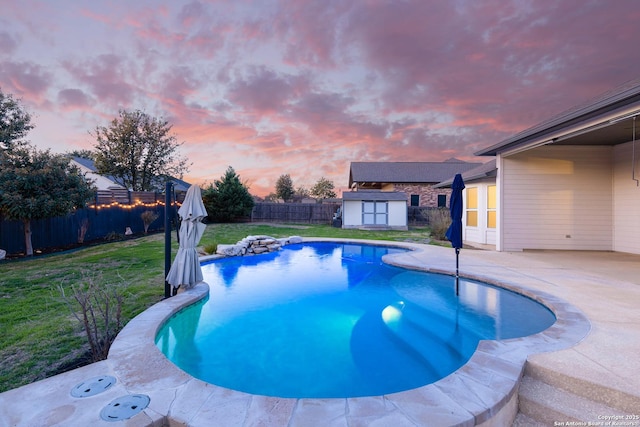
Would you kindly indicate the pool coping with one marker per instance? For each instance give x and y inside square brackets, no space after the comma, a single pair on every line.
[481,392]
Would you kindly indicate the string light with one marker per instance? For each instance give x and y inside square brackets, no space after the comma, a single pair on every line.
[133,205]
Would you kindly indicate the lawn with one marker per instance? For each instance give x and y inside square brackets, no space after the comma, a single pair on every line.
[40,336]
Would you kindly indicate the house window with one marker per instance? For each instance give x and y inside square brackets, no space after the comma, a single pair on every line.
[442,200]
[415,200]
[472,207]
[491,206]
[374,213]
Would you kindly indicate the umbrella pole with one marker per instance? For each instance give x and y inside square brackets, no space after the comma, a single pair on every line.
[167,237]
[457,266]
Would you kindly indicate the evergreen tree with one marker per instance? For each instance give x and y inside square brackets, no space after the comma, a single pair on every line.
[228,198]
[323,189]
[284,187]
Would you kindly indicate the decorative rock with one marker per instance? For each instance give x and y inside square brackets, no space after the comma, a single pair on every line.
[3,253]
[230,250]
[253,245]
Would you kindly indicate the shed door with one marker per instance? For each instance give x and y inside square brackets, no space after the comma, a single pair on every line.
[374,213]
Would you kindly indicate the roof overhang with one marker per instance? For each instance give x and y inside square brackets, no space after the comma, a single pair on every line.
[599,124]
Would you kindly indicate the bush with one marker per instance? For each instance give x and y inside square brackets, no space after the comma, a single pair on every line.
[439,221]
[211,248]
[147,218]
[98,308]
[113,236]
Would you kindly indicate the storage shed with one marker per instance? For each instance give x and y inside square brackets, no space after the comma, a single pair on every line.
[374,209]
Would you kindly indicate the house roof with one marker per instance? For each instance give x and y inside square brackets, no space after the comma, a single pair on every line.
[485,170]
[603,120]
[87,163]
[374,195]
[407,172]
[108,181]
[178,184]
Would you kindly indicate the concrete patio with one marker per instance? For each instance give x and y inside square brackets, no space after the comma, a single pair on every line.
[595,363]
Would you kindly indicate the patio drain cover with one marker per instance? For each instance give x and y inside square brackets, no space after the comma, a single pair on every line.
[124,407]
[93,386]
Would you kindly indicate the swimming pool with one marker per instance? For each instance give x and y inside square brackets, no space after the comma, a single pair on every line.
[333,320]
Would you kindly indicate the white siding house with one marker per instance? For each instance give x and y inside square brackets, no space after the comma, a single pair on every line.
[480,201]
[557,198]
[374,209]
[572,181]
[101,182]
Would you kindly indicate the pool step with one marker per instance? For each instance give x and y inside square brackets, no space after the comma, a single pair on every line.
[432,342]
[548,404]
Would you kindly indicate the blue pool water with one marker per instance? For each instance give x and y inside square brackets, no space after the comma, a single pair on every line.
[332,320]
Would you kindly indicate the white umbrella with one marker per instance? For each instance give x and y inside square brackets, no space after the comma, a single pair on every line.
[185,269]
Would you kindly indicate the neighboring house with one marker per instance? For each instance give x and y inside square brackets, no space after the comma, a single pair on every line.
[101,182]
[374,209]
[572,182]
[416,179]
[479,217]
[109,189]
[179,186]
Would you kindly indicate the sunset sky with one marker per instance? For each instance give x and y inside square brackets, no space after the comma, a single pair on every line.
[307,86]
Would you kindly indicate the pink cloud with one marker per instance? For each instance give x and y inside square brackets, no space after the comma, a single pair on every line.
[74,99]
[25,79]
[107,76]
[8,43]
[265,91]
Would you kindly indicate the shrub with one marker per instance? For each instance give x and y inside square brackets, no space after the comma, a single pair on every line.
[113,236]
[210,248]
[82,229]
[147,218]
[439,221]
[98,308]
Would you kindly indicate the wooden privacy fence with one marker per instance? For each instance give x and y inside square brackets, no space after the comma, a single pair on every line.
[419,215]
[316,213]
[312,213]
[114,211]
[107,216]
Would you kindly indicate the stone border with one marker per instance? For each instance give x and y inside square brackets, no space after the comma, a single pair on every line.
[256,245]
[482,392]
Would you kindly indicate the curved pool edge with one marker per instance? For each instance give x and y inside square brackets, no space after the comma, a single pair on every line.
[482,392]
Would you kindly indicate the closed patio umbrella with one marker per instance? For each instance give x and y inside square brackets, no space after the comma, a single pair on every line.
[454,233]
[185,269]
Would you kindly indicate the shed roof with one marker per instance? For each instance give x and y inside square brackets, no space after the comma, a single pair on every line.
[374,195]
[407,172]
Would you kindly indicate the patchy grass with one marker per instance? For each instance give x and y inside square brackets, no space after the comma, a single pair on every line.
[40,337]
